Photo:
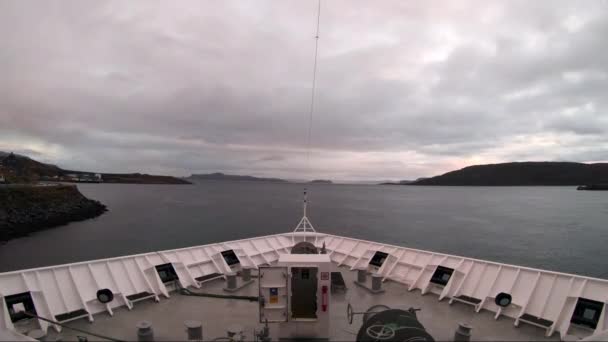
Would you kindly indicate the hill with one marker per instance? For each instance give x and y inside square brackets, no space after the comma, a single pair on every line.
[524,173]
[21,169]
[225,177]
[320,181]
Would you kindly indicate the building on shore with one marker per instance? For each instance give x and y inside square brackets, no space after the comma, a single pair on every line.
[2,179]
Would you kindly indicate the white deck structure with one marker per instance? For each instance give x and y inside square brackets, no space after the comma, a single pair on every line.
[541,298]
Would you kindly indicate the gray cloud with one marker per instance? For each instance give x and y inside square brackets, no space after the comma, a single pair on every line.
[404,89]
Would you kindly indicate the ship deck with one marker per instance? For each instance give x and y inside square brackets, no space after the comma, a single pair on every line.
[168,316]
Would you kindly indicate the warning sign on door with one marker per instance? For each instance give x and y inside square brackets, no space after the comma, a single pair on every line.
[324,275]
[274,295]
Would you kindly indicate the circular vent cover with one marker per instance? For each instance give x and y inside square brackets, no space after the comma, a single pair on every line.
[105,295]
[503,299]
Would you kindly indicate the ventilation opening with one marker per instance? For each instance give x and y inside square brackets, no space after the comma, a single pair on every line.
[378,259]
[230,257]
[587,312]
[304,292]
[17,305]
[442,275]
[167,273]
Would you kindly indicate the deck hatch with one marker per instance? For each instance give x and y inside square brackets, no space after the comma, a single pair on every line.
[442,275]
[166,272]
[18,303]
[230,257]
[587,312]
[378,259]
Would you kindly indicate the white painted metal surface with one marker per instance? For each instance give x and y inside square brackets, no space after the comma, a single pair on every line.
[274,294]
[541,294]
[318,327]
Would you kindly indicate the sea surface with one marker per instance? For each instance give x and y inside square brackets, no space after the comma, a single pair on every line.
[555,228]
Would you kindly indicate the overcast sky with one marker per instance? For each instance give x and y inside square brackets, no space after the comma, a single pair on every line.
[404,88]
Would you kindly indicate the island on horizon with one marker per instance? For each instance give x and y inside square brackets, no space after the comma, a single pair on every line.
[320,181]
[218,176]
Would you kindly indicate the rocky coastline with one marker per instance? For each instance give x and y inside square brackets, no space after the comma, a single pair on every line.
[25,209]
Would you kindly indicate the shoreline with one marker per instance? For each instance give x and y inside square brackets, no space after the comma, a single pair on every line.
[28,209]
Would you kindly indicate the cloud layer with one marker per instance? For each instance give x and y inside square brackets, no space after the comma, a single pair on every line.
[405,89]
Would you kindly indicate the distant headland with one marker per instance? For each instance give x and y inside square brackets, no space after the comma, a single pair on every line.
[33,198]
[523,173]
[15,168]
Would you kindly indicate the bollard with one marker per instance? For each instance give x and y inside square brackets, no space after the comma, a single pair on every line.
[362,276]
[36,334]
[376,282]
[246,274]
[144,331]
[231,281]
[463,333]
[195,330]
[235,332]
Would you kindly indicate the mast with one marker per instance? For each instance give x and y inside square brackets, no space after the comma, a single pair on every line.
[304,226]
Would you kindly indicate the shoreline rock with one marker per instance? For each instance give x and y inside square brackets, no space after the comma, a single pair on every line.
[26,209]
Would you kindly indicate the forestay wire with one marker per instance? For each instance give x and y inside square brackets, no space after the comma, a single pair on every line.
[314,84]
[305,225]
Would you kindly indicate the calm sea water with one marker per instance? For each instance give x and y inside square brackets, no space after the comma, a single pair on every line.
[556,228]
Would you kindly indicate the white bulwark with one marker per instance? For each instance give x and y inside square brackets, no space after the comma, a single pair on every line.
[555,302]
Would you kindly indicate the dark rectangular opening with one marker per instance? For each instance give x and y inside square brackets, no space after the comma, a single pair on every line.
[469,299]
[209,276]
[442,275]
[18,303]
[587,312]
[337,282]
[230,257]
[378,259]
[304,292]
[72,314]
[167,273]
[137,296]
